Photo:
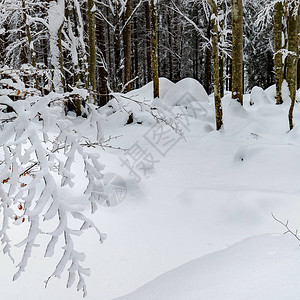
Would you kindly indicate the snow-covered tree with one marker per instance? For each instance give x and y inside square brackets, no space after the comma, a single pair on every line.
[38,148]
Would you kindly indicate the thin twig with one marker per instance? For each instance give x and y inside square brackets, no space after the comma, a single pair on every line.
[288,230]
[86,143]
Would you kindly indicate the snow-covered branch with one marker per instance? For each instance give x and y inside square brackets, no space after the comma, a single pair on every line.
[29,188]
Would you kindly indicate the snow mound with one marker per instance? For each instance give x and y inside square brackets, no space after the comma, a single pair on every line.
[184,92]
[271,93]
[260,267]
[138,106]
[258,96]
[145,93]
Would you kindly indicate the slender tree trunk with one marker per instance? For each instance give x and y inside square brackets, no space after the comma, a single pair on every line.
[61,58]
[292,57]
[81,29]
[215,55]
[136,53]
[117,47]
[102,66]
[222,85]
[237,50]
[127,47]
[176,48]
[148,41]
[76,34]
[221,14]
[298,63]
[207,62]
[30,43]
[56,20]
[230,75]
[92,48]
[154,47]
[170,37]
[109,48]
[278,65]
[196,59]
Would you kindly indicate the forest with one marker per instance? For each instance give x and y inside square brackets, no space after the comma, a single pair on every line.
[113,109]
[113,40]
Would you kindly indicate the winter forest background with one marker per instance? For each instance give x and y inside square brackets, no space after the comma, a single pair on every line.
[49,36]
[173,125]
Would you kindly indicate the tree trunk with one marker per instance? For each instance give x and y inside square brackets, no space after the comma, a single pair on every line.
[56,14]
[237,50]
[92,47]
[109,48]
[81,29]
[148,41]
[154,47]
[278,65]
[127,46]
[117,47]
[298,63]
[216,66]
[207,62]
[102,68]
[30,43]
[221,13]
[292,57]
[76,34]
[136,53]
[170,38]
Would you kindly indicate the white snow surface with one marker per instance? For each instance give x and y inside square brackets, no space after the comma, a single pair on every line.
[185,91]
[199,225]
[260,267]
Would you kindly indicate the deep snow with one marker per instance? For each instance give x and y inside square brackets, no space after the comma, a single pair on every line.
[209,191]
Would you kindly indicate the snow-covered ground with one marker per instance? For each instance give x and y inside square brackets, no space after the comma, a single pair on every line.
[201,211]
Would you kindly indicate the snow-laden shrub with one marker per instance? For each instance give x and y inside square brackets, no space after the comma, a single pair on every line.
[38,145]
[122,110]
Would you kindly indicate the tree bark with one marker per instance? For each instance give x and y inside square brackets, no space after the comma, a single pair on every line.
[207,62]
[30,43]
[292,57]
[154,47]
[221,13]
[170,38]
[56,14]
[216,65]
[278,65]
[109,48]
[148,41]
[136,53]
[237,50]
[298,63]
[127,47]
[92,48]
[102,83]
[117,47]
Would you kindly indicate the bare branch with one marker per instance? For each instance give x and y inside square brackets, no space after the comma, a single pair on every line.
[288,230]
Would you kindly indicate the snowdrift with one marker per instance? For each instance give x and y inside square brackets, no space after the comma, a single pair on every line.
[263,267]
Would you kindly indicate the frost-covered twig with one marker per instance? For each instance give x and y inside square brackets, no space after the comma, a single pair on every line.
[288,230]
[159,114]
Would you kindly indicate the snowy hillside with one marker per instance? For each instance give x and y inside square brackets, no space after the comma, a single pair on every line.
[199,203]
